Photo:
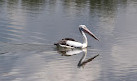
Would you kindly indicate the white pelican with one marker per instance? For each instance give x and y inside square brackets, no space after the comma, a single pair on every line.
[71,43]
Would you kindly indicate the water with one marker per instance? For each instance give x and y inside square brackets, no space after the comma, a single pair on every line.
[28,30]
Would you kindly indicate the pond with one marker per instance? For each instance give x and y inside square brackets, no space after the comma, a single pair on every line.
[29,29]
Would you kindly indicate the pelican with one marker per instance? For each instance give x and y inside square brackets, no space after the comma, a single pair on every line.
[71,43]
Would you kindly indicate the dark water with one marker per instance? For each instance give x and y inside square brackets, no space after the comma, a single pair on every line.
[29,28]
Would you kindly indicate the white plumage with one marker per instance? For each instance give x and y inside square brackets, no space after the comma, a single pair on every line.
[74,44]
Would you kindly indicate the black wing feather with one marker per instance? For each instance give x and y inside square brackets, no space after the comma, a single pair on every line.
[63,41]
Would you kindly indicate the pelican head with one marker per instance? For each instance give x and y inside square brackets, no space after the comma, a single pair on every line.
[86,30]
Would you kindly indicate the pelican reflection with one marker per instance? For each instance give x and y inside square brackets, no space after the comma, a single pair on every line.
[83,62]
[70,52]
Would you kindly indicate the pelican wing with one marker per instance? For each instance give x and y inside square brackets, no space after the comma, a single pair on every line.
[71,39]
[74,44]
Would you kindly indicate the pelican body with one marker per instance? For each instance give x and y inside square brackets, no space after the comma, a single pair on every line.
[71,43]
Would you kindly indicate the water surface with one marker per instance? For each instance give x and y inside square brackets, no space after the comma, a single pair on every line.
[28,30]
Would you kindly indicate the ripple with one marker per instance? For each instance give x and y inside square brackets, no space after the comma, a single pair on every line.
[11,47]
[17,27]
